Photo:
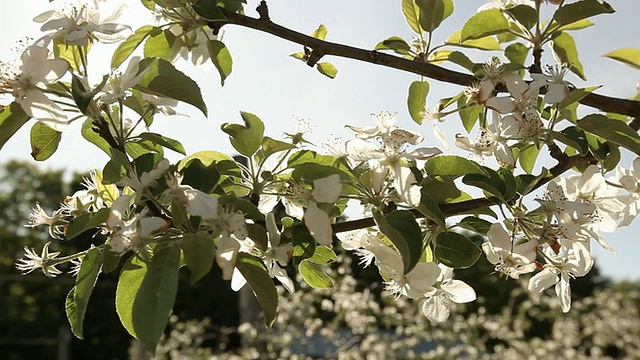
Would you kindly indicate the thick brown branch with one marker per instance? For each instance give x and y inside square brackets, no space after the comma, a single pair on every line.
[604,103]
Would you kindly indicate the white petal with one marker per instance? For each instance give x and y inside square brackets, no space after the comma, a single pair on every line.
[503,105]
[318,223]
[423,153]
[459,292]
[237,280]
[563,291]
[272,230]
[542,280]
[43,109]
[405,184]
[436,309]
[360,150]
[327,190]
[201,204]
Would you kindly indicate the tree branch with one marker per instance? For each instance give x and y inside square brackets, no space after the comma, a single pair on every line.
[601,102]
[630,108]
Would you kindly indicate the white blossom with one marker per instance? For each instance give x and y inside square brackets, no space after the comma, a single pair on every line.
[445,291]
[509,258]
[44,261]
[28,83]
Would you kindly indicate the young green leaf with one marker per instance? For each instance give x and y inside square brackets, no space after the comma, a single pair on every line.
[127,47]
[314,275]
[199,253]
[320,32]
[456,250]
[253,270]
[327,69]
[401,228]
[417,99]
[411,13]
[615,131]
[433,13]
[484,23]
[78,298]
[160,44]
[395,43]
[146,293]
[163,79]
[452,165]
[579,10]
[221,58]
[163,141]
[12,118]
[484,43]
[44,141]
[628,56]
[245,139]
[564,47]
[85,222]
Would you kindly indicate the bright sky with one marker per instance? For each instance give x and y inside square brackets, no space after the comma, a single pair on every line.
[279,89]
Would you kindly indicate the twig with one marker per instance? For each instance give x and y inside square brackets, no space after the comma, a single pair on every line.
[602,102]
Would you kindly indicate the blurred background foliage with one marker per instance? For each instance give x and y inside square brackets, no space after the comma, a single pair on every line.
[356,319]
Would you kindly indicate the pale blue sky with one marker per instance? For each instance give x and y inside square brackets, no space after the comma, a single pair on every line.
[278,88]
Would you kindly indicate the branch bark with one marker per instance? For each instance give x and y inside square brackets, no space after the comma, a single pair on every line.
[601,102]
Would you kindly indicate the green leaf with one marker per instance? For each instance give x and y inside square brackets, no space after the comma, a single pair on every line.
[573,137]
[430,208]
[485,43]
[91,136]
[524,14]
[310,172]
[78,298]
[200,176]
[164,141]
[484,23]
[304,245]
[442,189]
[452,165]
[580,10]
[221,58]
[401,228]
[257,277]
[314,275]
[395,43]
[248,138]
[160,44]
[12,118]
[564,48]
[417,99]
[455,57]
[433,13]
[327,69]
[207,9]
[456,250]
[509,183]
[320,32]
[116,168]
[258,234]
[492,184]
[517,52]
[199,253]
[163,79]
[110,260]
[85,222]
[527,158]
[576,95]
[411,13]
[469,115]
[612,130]
[145,294]
[629,56]
[207,157]
[271,146]
[578,25]
[44,141]
[323,255]
[475,224]
[127,47]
